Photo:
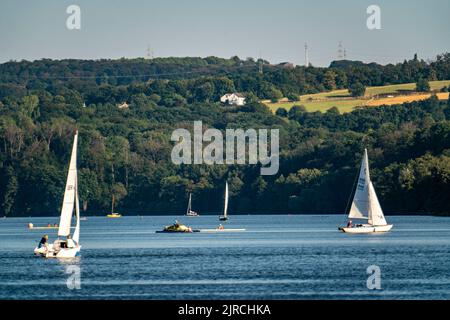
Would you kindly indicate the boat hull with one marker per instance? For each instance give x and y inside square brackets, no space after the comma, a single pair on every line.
[64,253]
[167,231]
[220,230]
[367,229]
[114,216]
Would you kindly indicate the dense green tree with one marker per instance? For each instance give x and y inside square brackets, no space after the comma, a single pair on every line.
[10,192]
[357,90]
[422,85]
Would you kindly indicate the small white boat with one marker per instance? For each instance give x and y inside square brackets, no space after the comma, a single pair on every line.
[224,217]
[68,247]
[189,211]
[365,205]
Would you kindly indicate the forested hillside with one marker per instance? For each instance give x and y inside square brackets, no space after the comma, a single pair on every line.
[126,152]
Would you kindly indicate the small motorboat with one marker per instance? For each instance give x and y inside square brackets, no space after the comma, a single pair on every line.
[47,227]
[176,228]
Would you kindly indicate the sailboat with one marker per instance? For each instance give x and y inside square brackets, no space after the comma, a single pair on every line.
[224,217]
[365,205]
[189,211]
[112,214]
[68,246]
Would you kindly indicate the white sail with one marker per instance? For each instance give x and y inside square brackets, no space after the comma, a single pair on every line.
[69,194]
[365,202]
[360,204]
[225,207]
[189,204]
[376,216]
[76,234]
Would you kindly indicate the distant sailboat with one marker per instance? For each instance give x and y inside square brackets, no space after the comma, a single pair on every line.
[189,211]
[112,214]
[68,247]
[365,205]
[224,217]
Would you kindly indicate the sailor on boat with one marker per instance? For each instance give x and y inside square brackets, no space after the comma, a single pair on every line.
[178,227]
[43,242]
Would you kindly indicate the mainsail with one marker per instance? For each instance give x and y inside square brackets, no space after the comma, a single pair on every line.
[365,203]
[225,207]
[189,204]
[70,193]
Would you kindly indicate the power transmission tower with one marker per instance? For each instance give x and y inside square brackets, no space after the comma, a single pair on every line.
[260,64]
[149,54]
[306,55]
[340,55]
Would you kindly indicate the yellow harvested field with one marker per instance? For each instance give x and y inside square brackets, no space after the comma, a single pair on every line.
[375,96]
[404,99]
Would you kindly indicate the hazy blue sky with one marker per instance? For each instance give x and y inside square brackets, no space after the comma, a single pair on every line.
[276,29]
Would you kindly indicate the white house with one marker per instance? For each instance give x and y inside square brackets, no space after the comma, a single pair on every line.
[123,106]
[236,99]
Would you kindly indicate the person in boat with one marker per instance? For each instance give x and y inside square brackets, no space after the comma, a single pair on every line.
[220,227]
[43,242]
[350,224]
[70,242]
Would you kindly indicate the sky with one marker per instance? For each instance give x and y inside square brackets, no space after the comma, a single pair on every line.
[275,30]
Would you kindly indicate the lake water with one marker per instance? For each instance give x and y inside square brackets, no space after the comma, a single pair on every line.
[278,257]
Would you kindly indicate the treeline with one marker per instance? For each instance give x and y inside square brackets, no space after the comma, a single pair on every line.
[176,82]
[126,152]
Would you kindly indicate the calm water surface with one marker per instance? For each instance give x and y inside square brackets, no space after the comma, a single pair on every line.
[279,257]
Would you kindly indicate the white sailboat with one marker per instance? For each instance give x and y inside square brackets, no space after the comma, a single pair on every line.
[365,205]
[68,246]
[189,211]
[224,217]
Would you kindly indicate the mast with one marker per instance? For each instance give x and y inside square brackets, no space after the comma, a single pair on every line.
[76,234]
[112,203]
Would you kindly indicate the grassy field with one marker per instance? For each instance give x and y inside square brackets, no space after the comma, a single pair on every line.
[345,103]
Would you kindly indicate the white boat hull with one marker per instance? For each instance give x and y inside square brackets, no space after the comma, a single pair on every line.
[221,230]
[64,253]
[367,229]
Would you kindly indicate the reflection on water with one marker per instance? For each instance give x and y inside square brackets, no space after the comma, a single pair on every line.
[279,257]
